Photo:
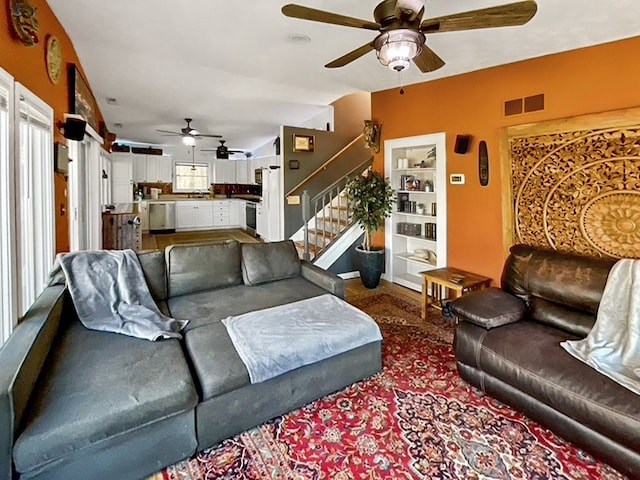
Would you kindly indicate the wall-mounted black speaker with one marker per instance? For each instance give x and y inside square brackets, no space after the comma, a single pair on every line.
[73,129]
[461,146]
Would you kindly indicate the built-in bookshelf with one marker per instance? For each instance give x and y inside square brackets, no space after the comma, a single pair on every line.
[416,232]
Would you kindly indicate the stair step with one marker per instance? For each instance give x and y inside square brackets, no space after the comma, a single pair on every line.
[314,250]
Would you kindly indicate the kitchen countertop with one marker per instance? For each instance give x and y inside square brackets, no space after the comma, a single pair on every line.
[183,198]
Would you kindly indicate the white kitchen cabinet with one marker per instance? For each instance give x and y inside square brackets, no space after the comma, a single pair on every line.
[159,169]
[416,232]
[152,168]
[225,171]
[121,178]
[185,216]
[196,215]
[237,213]
[221,213]
[139,163]
[242,172]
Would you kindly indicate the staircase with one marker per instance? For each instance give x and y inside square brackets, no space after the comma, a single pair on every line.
[327,216]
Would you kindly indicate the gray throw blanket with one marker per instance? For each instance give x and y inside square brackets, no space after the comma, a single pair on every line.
[613,344]
[276,340]
[110,293]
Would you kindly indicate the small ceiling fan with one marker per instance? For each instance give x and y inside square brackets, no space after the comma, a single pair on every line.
[402,32]
[188,133]
[222,151]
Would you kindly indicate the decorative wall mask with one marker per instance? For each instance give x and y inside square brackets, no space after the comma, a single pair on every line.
[371,133]
[25,21]
[54,59]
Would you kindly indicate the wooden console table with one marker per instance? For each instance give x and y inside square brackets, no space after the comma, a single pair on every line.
[446,284]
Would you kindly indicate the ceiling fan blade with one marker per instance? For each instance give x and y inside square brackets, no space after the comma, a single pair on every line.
[169,132]
[508,15]
[411,9]
[427,60]
[351,56]
[206,135]
[306,13]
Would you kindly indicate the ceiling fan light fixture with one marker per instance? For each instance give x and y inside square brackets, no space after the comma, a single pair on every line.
[396,49]
[189,141]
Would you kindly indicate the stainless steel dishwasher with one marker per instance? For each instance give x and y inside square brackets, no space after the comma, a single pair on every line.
[162,217]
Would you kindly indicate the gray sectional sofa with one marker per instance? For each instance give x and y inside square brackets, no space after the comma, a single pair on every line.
[77,403]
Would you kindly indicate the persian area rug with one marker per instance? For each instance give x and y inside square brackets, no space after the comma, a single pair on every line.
[166,239]
[417,419]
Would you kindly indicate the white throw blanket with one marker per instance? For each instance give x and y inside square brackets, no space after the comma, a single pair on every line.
[276,340]
[613,345]
[110,293]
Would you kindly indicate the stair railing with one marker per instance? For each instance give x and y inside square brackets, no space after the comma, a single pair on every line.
[321,210]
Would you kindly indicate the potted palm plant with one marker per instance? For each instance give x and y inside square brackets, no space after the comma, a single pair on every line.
[371,198]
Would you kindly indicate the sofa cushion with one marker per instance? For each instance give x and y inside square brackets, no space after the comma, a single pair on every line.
[155,273]
[96,386]
[559,316]
[528,356]
[489,308]
[575,281]
[217,365]
[266,262]
[198,267]
[212,306]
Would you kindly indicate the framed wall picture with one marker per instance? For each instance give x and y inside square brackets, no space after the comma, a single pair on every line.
[81,100]
[303,143]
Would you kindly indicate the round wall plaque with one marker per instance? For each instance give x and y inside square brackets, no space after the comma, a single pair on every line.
[54,59]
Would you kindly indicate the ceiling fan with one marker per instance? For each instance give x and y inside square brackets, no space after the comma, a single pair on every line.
[222,151]
[189,134]
[403,32]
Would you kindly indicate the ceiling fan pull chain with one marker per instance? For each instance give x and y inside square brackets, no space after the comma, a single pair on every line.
[400,82]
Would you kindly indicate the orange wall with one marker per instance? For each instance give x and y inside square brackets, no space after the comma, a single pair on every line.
[583,81]
[27,66]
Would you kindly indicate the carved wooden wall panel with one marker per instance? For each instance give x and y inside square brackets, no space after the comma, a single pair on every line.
[577,191]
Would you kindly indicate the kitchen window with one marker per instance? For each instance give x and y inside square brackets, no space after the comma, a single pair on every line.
[191,177]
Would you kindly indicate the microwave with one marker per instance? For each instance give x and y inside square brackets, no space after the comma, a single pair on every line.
[258,176]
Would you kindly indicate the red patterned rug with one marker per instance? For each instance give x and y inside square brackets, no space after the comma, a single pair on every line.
[415,419]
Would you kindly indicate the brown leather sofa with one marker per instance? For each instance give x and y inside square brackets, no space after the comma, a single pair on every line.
[507,344]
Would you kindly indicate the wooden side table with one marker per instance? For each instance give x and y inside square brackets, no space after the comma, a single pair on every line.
[446,284]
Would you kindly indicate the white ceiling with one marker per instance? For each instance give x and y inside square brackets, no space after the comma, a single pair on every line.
[231,66]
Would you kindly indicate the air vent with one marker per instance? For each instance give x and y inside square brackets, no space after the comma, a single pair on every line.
[517,106]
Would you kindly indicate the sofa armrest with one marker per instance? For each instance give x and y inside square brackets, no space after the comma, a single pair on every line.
[22,357]
[327,280]
[489,308]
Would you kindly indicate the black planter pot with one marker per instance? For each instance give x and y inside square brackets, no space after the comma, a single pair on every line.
[370,264]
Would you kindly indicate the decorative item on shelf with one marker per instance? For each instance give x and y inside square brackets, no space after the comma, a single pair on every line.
[425,255]
[428,186]
[421,209]
[53,57]
[372,199]
[24,19]
[430,231]
[434,206]
[409,183]
[410,229]
[303,143]
[371,133]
